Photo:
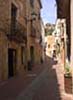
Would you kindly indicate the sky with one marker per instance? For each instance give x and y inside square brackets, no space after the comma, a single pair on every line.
[48,11]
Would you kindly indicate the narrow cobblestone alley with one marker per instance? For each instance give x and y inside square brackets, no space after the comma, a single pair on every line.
[36,50]
[44,82]
[47,86]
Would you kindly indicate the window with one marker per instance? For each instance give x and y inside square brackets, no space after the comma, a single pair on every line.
[13,17]
[48,45]
[32,3]
[33,30]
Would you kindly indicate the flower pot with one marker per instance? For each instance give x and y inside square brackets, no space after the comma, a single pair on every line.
[68,84]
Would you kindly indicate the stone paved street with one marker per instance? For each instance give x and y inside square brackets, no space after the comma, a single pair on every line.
[44,82]
[47,86]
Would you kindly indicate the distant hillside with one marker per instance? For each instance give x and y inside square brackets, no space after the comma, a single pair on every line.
[49,28]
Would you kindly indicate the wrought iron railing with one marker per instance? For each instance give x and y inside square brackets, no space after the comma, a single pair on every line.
[17,32]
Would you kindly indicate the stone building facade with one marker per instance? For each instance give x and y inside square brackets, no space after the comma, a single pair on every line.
[71,4]
[66,10]
[34,37]
[12,38]
[50,45]
[63,12]
[20,36]
[43,39]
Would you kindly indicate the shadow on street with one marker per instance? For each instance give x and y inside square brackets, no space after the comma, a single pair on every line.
[49,89]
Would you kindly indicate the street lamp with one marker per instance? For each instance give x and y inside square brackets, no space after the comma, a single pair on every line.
[33,14]
[33,18]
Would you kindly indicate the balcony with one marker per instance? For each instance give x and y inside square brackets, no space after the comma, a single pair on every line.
[17,33]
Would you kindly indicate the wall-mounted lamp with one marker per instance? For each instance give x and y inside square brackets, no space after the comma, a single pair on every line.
[33,17]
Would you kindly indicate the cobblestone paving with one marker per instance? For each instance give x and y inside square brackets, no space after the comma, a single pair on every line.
[47,86]
[44,82]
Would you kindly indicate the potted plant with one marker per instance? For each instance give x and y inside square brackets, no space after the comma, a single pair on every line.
[68,79]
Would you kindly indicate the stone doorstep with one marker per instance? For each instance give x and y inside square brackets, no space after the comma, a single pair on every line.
[67,95]
[31,75]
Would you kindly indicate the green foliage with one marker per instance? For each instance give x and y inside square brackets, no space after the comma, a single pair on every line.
[49,32]
[68,71]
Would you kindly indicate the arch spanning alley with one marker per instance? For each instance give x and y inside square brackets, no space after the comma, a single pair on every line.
[63,11]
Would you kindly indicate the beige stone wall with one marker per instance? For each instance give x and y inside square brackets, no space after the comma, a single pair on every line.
[5,21]
[64,10]
[4,45]
[3,57]
[37,25]
[72,33]
[24,11]
[5,13]
[50,45]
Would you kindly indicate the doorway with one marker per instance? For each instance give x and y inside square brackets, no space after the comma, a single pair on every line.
[11,62]
[32,54]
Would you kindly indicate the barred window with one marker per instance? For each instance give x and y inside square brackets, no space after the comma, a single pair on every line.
[32,3]
[13,17]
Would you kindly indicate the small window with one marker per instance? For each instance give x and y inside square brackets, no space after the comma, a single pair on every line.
[13,17]
[62,25]
[32,3]
[48,45]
